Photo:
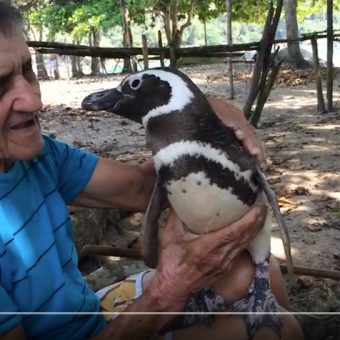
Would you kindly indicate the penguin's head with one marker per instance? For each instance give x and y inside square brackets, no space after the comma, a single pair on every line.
[145,94]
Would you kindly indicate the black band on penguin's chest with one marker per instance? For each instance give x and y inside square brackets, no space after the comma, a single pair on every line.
[218,175]
[175,127]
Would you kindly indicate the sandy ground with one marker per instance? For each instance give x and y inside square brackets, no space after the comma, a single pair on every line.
[303,149]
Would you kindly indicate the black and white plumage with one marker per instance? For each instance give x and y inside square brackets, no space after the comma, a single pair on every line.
[209,178]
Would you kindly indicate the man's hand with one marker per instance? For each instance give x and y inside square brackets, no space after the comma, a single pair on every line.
[189,263]
[234,118]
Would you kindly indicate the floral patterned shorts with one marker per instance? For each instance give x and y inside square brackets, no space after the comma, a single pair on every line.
[116,297]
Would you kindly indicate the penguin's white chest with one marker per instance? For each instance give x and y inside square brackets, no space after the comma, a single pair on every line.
[202,205]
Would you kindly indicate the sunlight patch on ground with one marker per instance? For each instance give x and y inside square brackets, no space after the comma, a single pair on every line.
[72,92]
[292,103]
[290,98]
[312,180]
[323,127]
[315,147]
[277,248]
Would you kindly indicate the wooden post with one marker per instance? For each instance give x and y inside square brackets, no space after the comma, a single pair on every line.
[258,68]
[261,83]
[173,58]
[145,52]
[318,78]
[68,66]
[230,42]
[329,55]
[127,37]
[160,45]
[264,93]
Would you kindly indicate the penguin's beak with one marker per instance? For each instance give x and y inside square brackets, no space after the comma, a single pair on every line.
[103,100]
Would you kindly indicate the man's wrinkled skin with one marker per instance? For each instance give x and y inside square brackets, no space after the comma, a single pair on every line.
[20,101]
[183,263]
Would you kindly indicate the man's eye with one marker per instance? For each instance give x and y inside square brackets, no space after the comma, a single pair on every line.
[27,71]
[3,85]
[29,75]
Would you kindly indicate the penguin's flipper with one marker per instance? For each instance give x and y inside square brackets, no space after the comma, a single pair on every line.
[260,307]
[282,226]
[151,225]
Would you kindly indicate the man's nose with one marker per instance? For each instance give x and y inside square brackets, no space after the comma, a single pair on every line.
[27,95]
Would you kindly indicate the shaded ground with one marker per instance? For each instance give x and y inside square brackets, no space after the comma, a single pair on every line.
[303,149]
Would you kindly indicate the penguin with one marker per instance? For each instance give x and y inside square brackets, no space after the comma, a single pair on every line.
[203,170]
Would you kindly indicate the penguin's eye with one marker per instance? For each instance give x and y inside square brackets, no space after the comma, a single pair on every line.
[135,83]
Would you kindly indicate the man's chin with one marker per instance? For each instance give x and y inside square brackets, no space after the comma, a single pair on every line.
[28,151]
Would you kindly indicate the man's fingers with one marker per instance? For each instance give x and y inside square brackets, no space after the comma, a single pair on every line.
[217,249]
[255,217]
[247,134]
[172,231]
[234,118]
[256,149]
[244,229]
[253,145]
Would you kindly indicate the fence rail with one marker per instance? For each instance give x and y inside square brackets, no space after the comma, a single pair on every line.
[122,52]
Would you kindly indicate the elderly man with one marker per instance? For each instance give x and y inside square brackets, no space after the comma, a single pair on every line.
[39,277]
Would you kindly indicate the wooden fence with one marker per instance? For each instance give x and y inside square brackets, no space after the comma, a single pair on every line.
[161,51]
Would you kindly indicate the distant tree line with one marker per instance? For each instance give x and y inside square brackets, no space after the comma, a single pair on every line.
[87,21]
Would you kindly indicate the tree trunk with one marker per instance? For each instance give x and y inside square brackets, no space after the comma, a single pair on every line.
[41,69]
[318,76]
[78,62]
[329,55]
[127,36]
[160,45]
[76,70]
[79,67]
[262,81]
[6,2]
[230,42]
[39,59]
[292,32]
[173,32]
[95,42]
[205,32]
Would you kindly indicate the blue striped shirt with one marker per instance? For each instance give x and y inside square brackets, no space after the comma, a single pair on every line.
[38,260]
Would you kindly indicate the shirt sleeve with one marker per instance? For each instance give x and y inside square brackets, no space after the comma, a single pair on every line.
[8,309]
[74,167]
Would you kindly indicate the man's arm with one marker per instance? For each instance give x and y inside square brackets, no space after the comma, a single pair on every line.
[16,333]
[115,184]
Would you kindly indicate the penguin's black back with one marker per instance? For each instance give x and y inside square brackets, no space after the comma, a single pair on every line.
[206,128]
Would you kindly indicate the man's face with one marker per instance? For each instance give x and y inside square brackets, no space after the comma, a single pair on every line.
[20,134]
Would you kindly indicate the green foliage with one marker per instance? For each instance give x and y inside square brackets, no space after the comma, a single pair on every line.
[76,18]
[207,10]
[309,8]
[250,11]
